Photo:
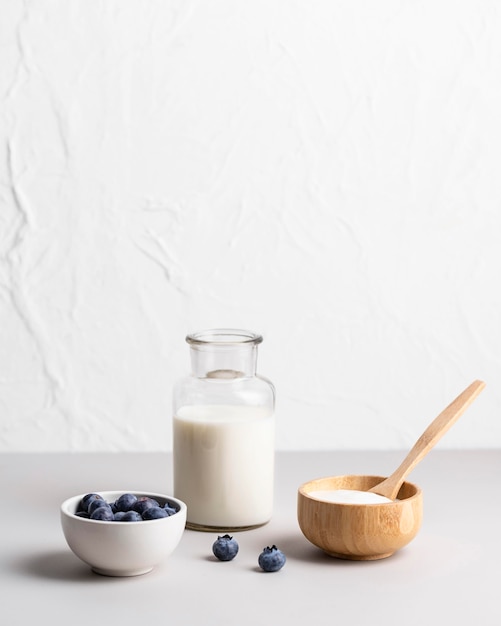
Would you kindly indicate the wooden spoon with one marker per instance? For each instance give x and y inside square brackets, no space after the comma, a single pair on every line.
[440,425]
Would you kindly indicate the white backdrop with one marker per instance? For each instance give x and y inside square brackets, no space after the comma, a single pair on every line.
[326,173]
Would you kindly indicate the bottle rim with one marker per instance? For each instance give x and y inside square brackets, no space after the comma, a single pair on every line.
[224,337]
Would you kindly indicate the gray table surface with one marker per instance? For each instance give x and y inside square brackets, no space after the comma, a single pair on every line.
[448,574]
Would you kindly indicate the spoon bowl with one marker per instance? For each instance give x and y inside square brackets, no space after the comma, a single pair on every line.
[360,532]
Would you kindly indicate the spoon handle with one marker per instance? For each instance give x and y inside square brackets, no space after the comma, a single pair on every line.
[440,425]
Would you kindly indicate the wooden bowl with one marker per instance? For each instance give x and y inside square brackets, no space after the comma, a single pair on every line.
[361,532]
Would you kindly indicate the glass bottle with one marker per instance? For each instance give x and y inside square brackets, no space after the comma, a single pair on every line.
[224,432]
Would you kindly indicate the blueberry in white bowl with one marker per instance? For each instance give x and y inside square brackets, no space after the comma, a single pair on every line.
[98,525]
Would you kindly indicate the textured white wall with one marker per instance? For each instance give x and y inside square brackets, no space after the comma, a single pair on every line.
[326,173]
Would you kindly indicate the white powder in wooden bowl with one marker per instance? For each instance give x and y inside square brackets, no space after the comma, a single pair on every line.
[348,496]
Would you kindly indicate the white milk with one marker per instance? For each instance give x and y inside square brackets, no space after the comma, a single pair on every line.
[348,496]
[223,464]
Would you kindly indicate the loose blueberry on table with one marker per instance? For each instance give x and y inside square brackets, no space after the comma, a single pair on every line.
[271,559]
[126,508]
[225,548]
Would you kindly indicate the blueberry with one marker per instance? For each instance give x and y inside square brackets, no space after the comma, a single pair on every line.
[84,502]
[131,516]
[97,503]
[125,502]
[87,500]
[225,548]
[144,503]
[170,508]
[155,512]
[103,513]
[271,559]
[126,508]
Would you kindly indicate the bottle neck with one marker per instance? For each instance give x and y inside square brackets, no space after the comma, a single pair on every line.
[223,362]
[223,353]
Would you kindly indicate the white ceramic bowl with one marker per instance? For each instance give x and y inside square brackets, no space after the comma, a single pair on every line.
[122,548]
